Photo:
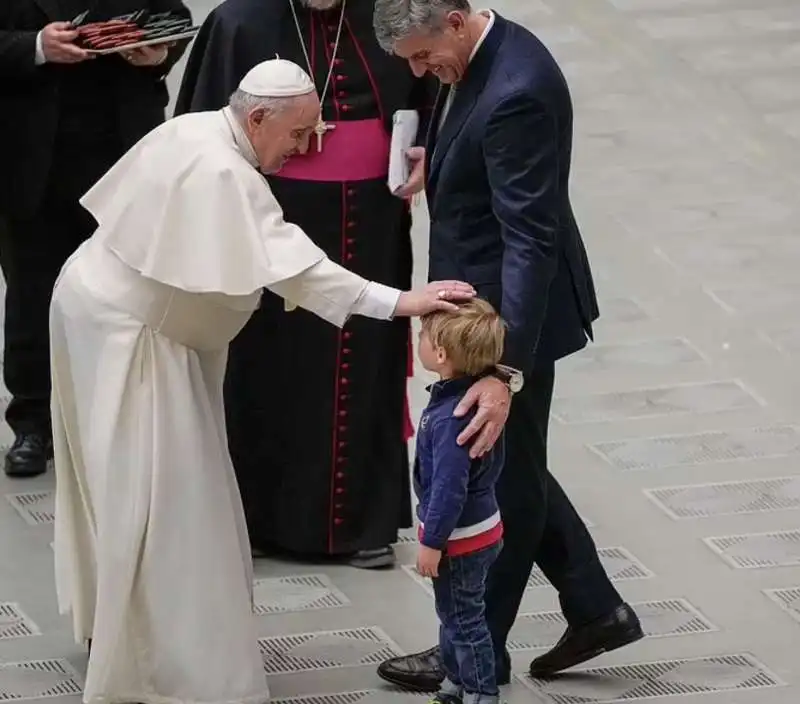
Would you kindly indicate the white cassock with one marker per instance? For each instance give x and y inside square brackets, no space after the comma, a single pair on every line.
[152,555]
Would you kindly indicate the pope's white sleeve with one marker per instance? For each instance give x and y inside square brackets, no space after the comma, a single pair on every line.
[335,293]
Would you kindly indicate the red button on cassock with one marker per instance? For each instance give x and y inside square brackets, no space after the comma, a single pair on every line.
[339,490]
[338,521]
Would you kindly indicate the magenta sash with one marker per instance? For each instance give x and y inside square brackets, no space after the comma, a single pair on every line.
[352,151]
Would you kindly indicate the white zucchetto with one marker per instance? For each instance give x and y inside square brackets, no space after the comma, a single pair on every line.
[277,78]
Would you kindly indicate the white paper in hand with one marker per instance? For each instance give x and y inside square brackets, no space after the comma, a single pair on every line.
[405,124]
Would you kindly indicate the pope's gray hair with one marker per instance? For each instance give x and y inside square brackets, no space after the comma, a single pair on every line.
[396,19]
[243,103]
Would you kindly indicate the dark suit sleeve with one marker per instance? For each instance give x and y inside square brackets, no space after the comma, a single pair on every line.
[423,100]
[17,54]
[521,153]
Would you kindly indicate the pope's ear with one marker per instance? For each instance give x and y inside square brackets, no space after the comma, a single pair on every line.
[257,116]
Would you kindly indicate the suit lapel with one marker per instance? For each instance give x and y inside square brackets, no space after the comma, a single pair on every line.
[464,101]
[433,126]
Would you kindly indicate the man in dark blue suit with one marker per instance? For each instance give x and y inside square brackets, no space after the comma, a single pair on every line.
[497,163]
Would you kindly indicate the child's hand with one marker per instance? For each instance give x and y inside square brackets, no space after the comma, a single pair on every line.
[428,561]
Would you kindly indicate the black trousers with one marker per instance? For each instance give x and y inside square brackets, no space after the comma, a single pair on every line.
[541,525]
[33,250]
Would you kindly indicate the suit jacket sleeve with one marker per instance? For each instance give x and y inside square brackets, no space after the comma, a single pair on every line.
[17,54]
[521,155]
[423,100]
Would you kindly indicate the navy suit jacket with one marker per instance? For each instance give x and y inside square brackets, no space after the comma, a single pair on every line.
[498,195]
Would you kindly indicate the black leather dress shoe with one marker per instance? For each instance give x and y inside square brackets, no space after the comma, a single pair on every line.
[28,456]
[423,672]
[578,645]
[420,672]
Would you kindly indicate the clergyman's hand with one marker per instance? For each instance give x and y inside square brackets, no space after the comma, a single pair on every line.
[147,55]
[58,44]
[416,179]
[494,402]
[439,295]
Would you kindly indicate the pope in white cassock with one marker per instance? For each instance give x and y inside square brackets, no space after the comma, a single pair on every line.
[152,556]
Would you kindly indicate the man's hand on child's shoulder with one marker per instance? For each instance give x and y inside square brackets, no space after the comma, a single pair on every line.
[428,561]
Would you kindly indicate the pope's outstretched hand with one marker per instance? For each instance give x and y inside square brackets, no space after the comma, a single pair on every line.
[439,295]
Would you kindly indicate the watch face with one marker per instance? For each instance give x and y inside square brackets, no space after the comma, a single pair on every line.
[515,383]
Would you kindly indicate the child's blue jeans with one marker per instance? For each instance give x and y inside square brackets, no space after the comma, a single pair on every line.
[464,639]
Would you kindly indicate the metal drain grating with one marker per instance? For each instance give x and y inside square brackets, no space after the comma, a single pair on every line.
[619,563]
[368,696]
[712,397]
[683,450]
[666,678]
[660,619]
[14,623]
[306,592]
[326,650]
[727,498]
[758,550]
[634,355]
[788,599]
[36,507]
[37,679]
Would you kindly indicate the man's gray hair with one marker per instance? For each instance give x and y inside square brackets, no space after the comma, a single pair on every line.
[242,104]
[396,19]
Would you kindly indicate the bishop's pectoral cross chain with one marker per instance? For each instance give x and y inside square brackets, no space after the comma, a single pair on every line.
[322,127]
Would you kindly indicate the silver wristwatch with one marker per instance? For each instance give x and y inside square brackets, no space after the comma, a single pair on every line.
[513,378]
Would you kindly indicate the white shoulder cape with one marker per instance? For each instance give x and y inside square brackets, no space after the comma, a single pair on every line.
[185,207]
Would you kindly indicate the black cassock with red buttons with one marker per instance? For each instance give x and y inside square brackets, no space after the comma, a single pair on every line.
[316,415]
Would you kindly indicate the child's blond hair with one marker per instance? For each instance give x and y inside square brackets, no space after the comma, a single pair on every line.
[472,337]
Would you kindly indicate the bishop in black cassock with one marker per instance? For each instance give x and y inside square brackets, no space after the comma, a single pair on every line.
[317,417]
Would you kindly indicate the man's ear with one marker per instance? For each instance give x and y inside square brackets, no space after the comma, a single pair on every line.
[456,21]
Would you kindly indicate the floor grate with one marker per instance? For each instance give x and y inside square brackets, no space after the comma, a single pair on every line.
[367,696]
[666,678]
[660,619]
[619,563]
[307,592]
[701,448]
[325,650]
[14,623]
[727,498]
[632,356]
[37,679]
[758,550]
[711,397]
[788,599]
[36,507]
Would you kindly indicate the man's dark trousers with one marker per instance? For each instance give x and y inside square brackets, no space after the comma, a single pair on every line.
[540,525]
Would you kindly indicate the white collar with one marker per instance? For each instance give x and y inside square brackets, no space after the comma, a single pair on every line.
[241,139]
[485,33]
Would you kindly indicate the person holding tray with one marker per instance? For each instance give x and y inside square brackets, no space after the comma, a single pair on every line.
[67,116]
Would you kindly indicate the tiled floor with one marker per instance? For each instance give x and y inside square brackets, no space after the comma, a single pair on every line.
[677,434]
